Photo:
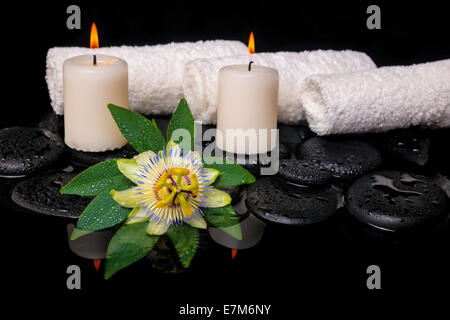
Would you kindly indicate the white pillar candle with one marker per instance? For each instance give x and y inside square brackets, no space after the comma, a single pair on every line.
[247,108]
[88,89]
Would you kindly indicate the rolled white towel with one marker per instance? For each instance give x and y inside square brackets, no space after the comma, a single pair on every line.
[379,100]
[201,77]
[155,72]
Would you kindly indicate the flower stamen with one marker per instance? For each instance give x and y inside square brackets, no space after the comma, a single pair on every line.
[193,187]
[171,191]
[160,183]
[187,210]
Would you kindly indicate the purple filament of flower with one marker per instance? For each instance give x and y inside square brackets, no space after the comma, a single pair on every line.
[173,182]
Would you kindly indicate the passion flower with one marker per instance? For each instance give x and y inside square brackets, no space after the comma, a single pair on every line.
[171,188]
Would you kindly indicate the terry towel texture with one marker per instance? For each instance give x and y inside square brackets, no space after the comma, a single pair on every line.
[155,72]
[201,77]
[379,100]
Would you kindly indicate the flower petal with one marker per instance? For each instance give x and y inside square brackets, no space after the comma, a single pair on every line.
[197,222]
[137,215]
[216,198]
[171,144]
[129,168]
[196,155]
[176,150]
[144,157]
[155,228]
[209,176]
[126,198]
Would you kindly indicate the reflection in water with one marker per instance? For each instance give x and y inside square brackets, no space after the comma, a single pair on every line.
[386,183]
[90,246]
[407,179]
[252,229]
[252,232]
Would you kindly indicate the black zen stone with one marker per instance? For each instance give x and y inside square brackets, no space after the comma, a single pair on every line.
[291,137]
[88,159]
[345,158]
[52,122]
[205,135]
[209,132]
[254,163]
[303,172]
[410,145]
[291,205]
[41,194]
[439,155]
[26,150]
[394,200]
[234,192]
[304,131]
[290,134]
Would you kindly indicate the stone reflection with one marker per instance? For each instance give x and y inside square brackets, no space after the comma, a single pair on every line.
[90,246]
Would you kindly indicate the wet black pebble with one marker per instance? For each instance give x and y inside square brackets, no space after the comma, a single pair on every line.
[304,131]
[26,150]
[234,192]
[207,137]
[291,205]
[87,159]
[252,163]
[52,122]
[292,136]
[410,145]
[394,200]
[289,134]
[303,172]
[41,194]
[439,155]
[345,158]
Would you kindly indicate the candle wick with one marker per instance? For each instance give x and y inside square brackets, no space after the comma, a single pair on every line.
[95,60]
[250,65]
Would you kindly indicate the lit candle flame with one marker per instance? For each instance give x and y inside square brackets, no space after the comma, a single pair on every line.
[251,44]
[94,37]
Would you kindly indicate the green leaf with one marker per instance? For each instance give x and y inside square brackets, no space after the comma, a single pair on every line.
[224,218]
[129,244]
[221,217]
[182,119]
[97,179]
[102,212]
[231,175]
[185,239]
[235,231]
[141,133]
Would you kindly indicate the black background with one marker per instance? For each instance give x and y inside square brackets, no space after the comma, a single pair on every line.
[294,271]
